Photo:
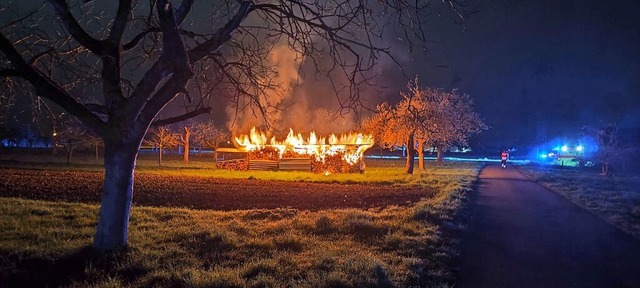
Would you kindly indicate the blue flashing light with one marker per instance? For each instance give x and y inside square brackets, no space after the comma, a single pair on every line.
[579,148]
[564,148]
[543,156]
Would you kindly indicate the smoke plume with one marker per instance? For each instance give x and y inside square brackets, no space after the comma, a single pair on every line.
[291,102]
[286,63]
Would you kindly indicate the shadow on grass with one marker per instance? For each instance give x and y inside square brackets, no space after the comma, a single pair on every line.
[81,266]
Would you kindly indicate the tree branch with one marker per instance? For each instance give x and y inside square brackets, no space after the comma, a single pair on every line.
[120,22]
[172,62]
[97,108]
[222,35]
[111,74]
[35,58]
[28,15]
[47,88]
[183,11]
[183,117]
[173,66]
[134,42]
[74,28]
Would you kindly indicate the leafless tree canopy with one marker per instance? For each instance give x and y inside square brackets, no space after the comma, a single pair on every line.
[90,59]
[425,117]
[206,134]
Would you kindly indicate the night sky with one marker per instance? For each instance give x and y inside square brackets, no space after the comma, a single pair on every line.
[543,69]
[537,70]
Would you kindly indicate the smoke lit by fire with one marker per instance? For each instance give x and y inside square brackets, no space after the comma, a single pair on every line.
[277,91]
[351,145]
[288,101]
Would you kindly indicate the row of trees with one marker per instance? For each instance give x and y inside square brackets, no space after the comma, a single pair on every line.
[116,69]
[202,135]
[425,117]
[70,136]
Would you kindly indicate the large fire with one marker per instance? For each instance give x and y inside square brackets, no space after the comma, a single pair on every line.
[351,146]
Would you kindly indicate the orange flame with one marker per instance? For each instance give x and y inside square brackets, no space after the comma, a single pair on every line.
[352,145]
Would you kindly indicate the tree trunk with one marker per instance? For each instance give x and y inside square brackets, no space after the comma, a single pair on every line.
[421,155]
[160,155]
[215,154]
[54,146]
[408,167]
[69,152]
[97,155]
[113,222]
[185,142]
[440,149]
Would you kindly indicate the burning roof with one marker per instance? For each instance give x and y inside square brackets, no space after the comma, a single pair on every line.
[351,146]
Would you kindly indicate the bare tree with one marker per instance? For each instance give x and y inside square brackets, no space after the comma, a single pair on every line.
[612,153]
[425,116]
[452,119]
[116,69]
[71,136]
[404,124]
[161,138]
[185,140]
[208,135]
[394,126]
[96,141]
[608,145]
[6,104]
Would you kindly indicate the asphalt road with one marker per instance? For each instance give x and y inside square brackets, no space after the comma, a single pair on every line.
[523,235]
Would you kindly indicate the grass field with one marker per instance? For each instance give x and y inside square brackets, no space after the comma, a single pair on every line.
[378,171]
[614,198]
[47,243]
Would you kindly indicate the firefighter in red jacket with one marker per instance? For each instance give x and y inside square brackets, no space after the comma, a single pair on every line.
[504,156]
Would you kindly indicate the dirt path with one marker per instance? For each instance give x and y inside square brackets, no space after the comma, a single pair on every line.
[523,235]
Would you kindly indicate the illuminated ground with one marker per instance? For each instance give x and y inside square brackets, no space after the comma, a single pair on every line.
[206,193]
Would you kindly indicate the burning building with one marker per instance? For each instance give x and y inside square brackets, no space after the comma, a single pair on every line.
[331,154]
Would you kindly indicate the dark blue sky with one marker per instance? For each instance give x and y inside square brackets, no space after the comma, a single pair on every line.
[537,70]
[542,69]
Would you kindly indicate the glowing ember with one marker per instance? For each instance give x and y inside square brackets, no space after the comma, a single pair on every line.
[351,146]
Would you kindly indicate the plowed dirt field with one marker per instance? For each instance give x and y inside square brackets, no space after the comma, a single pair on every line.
[205,192]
